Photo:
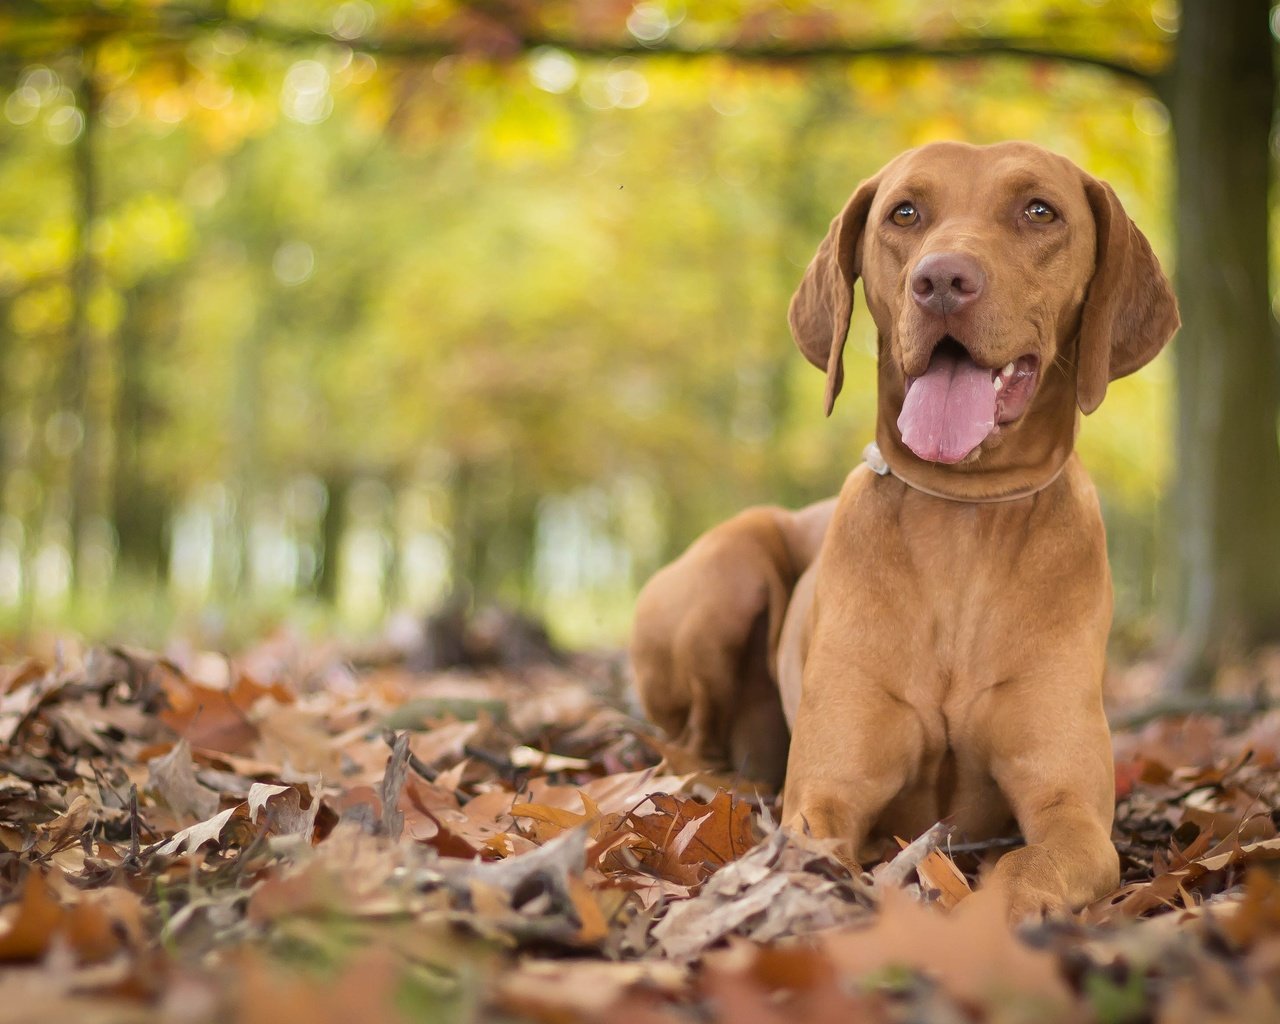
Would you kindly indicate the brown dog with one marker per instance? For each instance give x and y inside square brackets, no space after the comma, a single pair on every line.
[944,657]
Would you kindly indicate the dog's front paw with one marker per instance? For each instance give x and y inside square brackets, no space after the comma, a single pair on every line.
[825,820]
[1027,903]
[1030,885]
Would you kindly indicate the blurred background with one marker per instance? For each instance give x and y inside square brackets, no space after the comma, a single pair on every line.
[321,311]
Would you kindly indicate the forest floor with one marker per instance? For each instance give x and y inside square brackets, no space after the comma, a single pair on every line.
[311,834]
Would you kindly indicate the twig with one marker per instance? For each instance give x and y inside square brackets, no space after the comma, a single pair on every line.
[416,763]
[166,23]
[134,842]
[895,873]
[998,843]
[501,765]
[1193,704]
[392,783]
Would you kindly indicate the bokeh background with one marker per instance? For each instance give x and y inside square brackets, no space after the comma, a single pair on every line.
[321,310]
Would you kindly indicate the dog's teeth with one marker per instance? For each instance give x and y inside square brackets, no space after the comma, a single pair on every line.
[998,383]
[1007,371]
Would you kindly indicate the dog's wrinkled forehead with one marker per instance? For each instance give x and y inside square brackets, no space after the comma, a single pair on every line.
[954,177]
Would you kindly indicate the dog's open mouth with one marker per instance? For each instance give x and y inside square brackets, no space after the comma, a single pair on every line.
[957,404]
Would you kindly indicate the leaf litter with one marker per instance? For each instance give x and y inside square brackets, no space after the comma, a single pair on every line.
[282,837]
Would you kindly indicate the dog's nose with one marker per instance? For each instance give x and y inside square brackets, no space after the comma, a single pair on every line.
[944,282]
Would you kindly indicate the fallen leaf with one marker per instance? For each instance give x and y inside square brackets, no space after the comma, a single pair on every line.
[173,776]
[192,838]
[27,926]
[971,952]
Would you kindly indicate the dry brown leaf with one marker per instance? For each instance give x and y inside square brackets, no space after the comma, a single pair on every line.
[778,888]
[206,717]
[173,776]
[367,988]
[939,873]
[430,812]
[576,989]
[593,926]
[689,927]
[724,832]
[627,790]
[68,825]
[1268,849]
[591,858]
[285,814]
[28,670]
[40,994]
[27,926]
[971,952]
[785,985]
[558,818]
[190,839]
[1257,915]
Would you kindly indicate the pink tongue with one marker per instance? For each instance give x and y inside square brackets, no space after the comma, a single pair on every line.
[950,410]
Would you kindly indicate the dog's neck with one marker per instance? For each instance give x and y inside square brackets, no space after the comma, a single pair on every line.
[1026,457]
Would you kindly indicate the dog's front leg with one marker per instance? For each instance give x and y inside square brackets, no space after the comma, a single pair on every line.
[1051,757]
[853,749]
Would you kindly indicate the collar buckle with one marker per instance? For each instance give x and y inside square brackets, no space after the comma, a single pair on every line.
[872,457]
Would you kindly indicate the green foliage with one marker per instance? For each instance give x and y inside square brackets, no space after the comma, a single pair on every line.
[1116,1003]
[538,295]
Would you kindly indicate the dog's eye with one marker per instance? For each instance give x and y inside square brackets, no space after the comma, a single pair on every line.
[904,215]
[1039,212]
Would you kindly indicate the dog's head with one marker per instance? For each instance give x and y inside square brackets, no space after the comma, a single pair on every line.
[985,269]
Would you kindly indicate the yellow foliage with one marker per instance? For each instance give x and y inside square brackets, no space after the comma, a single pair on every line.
[526,127]
[569,277]
[147,235]
[41,310]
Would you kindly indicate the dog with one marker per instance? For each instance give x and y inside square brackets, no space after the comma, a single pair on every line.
[941,657]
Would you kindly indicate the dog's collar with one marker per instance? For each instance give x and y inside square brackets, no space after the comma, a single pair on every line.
[876,462]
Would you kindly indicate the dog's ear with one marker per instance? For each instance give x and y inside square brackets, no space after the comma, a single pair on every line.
[822,305]
[1129,311]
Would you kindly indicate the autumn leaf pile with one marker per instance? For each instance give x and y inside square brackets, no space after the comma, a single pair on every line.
[283,837]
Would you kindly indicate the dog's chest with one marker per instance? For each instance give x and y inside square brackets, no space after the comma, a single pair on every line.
[950,601]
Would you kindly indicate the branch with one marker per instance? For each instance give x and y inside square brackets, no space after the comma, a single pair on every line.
[1176,705]
[175,22]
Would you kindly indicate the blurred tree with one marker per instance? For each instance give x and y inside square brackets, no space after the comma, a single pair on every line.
[1227,489]
[484,261]
[141,499]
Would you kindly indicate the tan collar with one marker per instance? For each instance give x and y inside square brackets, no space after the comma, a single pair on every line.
[876,462]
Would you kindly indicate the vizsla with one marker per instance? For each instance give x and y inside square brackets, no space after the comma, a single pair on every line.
[943,656]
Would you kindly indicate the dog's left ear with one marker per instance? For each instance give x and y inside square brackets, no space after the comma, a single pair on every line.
[1129,311]
[822,305]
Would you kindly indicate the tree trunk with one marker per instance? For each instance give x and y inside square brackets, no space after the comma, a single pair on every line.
[464,532]
[234,569]
[8,401]
[76,391]
[140,505]
[1227,497]
[337,488]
